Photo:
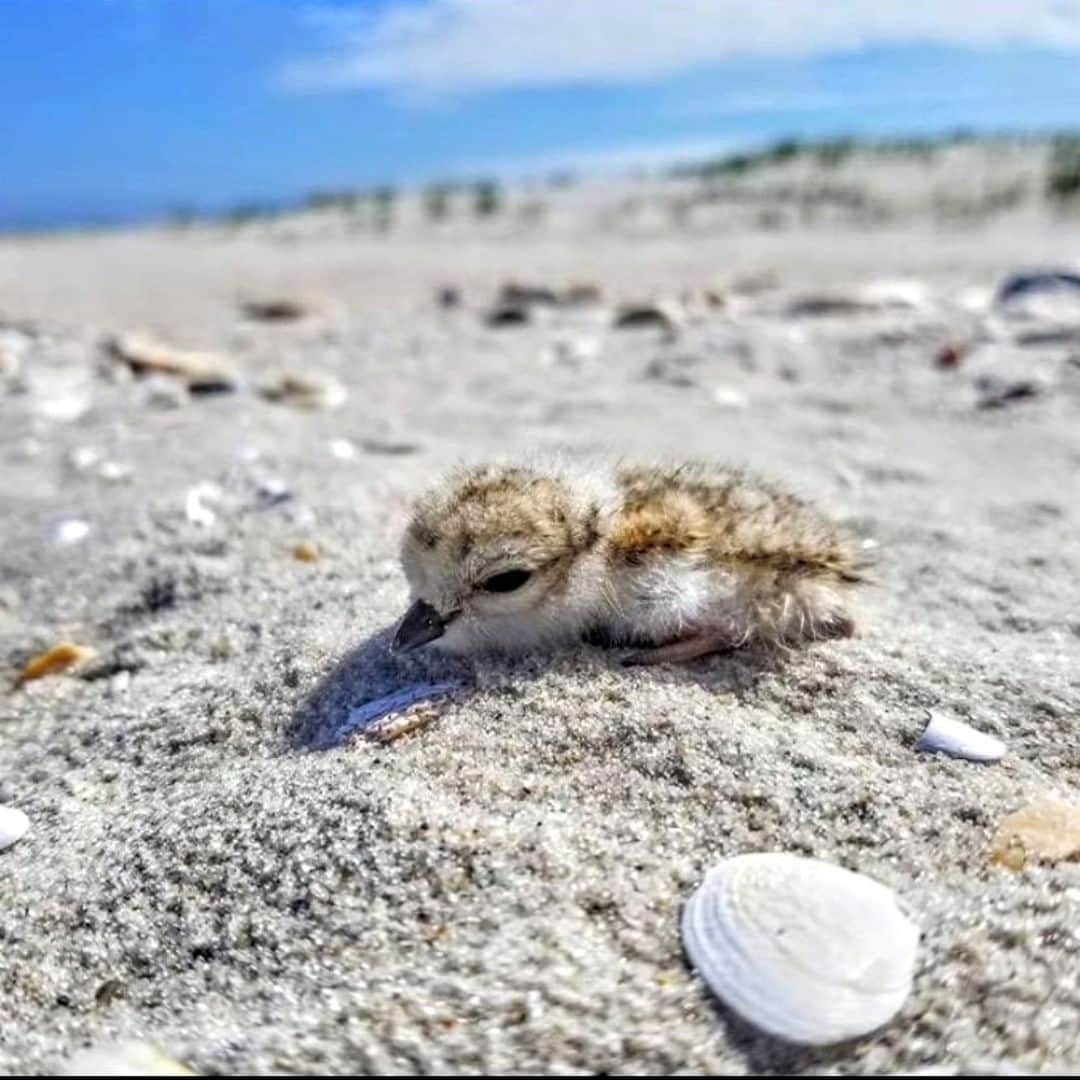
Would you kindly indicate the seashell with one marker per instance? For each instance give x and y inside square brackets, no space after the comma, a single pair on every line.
[730,397]
[342,449]
[946,735]
[124,1059]
[115,472]
[202,372]
[1044,831]
[195,508]
[59,658]
[71,531]
[13,826]
[365,716]
[805,950]
[668,316]
[396,725]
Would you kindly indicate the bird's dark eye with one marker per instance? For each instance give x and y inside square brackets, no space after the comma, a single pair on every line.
[506,582]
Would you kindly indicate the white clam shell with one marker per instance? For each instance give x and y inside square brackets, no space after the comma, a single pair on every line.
[13,826]
[803,949]
[946,735]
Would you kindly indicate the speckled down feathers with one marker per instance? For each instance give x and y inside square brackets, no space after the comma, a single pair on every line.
[642,554]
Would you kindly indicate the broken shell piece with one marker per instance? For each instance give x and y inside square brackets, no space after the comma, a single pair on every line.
[995,393]
[391,728]
[62,399]
[310,390]
[59,658]
[71,531]
[666,316]
[573,351]
[363,716]
[84,457]
[514,294]
[14,825]
[507,315]
[202,372]
[115,472]
[803,949]
[390,447]
[195,508]
[124,1059]
[342,449]
[729,397]
[946,735]
[276,309]
[1042,292]
[1044,831]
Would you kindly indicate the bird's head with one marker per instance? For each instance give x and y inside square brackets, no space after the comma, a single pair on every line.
[497,559]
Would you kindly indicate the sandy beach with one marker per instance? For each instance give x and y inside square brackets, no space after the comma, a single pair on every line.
[211,870]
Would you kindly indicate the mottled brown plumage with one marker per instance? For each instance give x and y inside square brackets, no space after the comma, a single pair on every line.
[683,559]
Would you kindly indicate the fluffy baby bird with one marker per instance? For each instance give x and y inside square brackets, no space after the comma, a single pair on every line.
[677,562]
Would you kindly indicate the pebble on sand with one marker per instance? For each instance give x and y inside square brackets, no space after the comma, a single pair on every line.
[276,309]
[14,825]
[310,390]
[61,657]
[1044,831]
[306,551]
[949,357]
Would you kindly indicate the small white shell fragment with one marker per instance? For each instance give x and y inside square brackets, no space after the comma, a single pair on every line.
[363,716]
[13,826]
[946,735]
[115,472]
[198,513]
[124,1059]
[342,449]
[84,457]
[729,397]
[72,531]
[803,949]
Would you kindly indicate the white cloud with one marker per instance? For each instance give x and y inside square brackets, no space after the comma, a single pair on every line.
[441,46]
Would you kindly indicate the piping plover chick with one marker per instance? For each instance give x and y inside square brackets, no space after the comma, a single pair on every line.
[676,562]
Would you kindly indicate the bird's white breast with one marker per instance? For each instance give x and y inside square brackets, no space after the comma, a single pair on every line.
[667,600]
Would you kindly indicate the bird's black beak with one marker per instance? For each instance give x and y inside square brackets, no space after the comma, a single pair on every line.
[421,624]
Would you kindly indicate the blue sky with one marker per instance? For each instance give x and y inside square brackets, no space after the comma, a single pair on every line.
[113,109]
